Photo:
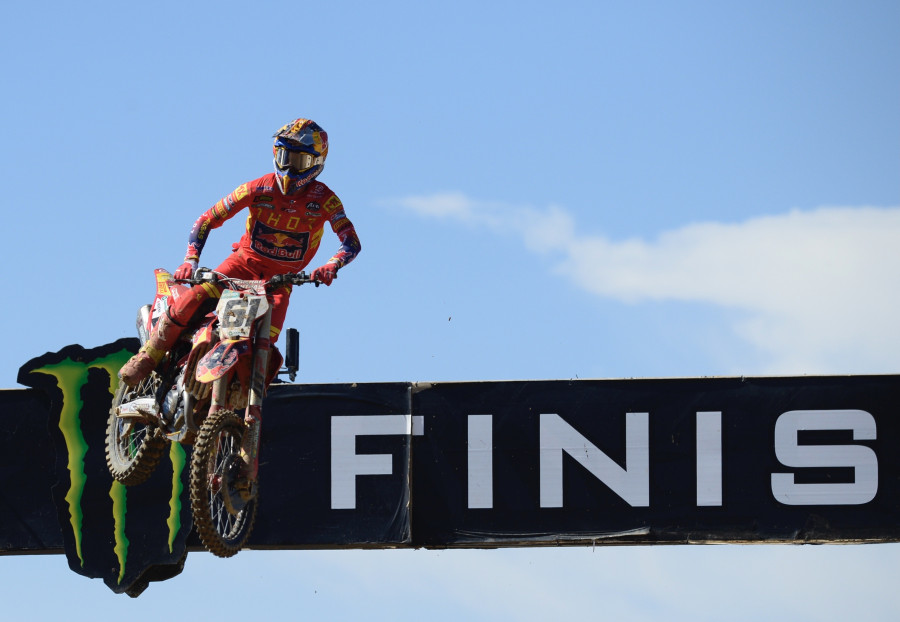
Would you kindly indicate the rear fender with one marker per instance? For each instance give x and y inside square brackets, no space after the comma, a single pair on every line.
[167,290]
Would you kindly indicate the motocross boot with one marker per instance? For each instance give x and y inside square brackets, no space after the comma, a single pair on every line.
[145,361]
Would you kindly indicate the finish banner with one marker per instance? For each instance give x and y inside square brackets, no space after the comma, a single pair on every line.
[809,459]
[469,464]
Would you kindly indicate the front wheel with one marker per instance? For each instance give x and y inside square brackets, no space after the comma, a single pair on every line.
[134,446]
[223,505]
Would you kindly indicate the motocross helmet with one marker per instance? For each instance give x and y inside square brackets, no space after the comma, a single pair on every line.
[300,150]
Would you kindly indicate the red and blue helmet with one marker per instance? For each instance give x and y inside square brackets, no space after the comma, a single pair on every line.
[300,150]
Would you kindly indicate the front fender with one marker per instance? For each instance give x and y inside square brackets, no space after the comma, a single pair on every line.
[221,359]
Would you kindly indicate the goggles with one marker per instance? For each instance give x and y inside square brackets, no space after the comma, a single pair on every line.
[296,160]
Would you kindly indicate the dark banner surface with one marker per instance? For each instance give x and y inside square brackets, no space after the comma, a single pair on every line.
[480,464]
[334,467]
[27,514]
[652,461]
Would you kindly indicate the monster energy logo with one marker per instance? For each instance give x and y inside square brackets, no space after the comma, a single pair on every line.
[86,380]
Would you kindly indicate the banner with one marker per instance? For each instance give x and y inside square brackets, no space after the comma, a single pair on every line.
[809,459]
[468,464]
[335,467]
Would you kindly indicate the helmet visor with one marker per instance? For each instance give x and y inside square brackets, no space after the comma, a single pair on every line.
[295,160]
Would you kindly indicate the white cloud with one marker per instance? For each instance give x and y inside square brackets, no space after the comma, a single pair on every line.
[813,290]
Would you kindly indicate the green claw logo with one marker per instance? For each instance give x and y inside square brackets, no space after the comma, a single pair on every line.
[71,376]
[127,537]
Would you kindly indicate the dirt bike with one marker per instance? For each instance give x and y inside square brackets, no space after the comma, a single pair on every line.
[222,364]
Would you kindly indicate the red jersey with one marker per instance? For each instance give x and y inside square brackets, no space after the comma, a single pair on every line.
[283,231]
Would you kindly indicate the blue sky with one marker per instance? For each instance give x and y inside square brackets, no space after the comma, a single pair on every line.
[542,190]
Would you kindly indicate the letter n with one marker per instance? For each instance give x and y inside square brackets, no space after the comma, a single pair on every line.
[631,483]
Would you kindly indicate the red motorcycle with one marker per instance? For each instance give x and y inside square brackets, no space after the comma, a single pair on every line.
[221,366]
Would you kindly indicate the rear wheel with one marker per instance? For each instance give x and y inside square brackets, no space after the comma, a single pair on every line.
[134,445]
[223,505]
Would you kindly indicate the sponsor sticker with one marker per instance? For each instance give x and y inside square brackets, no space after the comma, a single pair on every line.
[241,192]
[275,244]
[333,204]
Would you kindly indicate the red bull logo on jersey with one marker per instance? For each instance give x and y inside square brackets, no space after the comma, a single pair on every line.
[279,245]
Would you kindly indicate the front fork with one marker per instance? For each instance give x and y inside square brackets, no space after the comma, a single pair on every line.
[253,414]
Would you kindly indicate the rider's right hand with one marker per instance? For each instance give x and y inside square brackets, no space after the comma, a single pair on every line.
[186,270]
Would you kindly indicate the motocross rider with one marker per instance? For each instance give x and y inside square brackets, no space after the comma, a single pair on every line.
[287,214]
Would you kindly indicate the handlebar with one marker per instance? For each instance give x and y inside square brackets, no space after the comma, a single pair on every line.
[290,278]
[206,275]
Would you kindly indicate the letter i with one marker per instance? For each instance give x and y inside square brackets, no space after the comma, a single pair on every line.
[481,461]
[709,458]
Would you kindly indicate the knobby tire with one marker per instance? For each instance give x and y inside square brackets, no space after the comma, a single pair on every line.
[213,467]
[133,447]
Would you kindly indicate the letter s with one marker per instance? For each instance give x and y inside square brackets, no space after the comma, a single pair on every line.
[858,457]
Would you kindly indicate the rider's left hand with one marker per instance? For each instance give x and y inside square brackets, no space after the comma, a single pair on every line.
[325,274]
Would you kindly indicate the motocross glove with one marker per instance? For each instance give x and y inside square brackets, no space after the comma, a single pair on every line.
[325,274]
[186,270]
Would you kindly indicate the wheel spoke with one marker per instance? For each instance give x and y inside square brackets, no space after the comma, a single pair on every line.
[132,446]
[213,468]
